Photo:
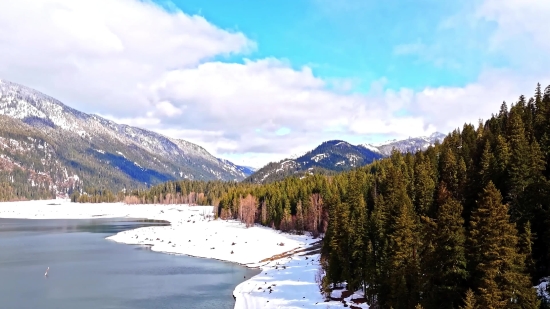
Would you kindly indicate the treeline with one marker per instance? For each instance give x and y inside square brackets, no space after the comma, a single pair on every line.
[172,192]
[462,224]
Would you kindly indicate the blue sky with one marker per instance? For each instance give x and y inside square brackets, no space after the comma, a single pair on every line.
[362,41]
[258,81]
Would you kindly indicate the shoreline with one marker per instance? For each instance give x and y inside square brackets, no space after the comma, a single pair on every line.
[286,282]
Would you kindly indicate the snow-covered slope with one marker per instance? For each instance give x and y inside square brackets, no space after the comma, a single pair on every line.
[174,158]
[412,144]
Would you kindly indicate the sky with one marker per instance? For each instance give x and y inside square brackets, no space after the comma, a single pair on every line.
[259,81]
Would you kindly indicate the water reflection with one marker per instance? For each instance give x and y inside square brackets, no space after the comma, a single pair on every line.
[103,225]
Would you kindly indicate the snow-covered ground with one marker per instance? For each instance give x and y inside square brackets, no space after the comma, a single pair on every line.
[287,282]
[542,288]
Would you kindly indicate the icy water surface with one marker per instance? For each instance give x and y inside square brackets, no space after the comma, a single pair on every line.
[87,271]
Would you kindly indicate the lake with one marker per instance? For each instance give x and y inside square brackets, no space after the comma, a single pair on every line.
[88,271]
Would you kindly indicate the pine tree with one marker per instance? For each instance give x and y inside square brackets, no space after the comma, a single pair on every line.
[377,251]
[358,228]
[449,171]
[486,166]
[469,300]
[526,248]
[499,270]
[503,118]
[424,186]
[502,160]
[519,161]
[444,263]
[403,261]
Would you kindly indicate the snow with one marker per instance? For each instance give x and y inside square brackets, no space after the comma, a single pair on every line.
[298,155]
[193,232]
[352,157]
[542,288]
[319,157]
[370,147]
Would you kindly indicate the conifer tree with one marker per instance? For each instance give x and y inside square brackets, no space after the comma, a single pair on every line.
[469,300]
[377,250]
[519,161]
[449,171]
[358,212]
[526,248]
[403,279]
[502,160]
[424,186]
[503,118]
[445,262]
[498,267]
[485,166]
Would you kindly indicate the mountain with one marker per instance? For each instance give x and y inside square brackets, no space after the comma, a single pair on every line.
[327,158]
[412,144]
[335,156]
[41,136]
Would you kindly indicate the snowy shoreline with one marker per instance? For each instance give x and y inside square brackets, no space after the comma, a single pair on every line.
[287,282]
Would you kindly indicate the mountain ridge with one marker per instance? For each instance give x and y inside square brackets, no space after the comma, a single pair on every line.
[336,156]
[107,142]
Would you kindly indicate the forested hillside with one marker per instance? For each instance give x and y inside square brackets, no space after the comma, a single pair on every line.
[328,158]
[462,224]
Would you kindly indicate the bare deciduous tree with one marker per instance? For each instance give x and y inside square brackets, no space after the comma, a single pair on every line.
[247,210]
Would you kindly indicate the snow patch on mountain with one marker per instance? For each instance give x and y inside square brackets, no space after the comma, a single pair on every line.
[319,157]
[412,144]
[370,147]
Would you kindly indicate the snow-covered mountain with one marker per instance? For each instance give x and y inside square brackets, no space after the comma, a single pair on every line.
[329,157]
[133,151]
[336,156]
[412,144]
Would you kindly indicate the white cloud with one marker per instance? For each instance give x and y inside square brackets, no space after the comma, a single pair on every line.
[166,108]
[102,55]
[527,19]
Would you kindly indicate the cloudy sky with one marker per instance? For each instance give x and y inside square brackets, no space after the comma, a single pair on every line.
[257,81]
